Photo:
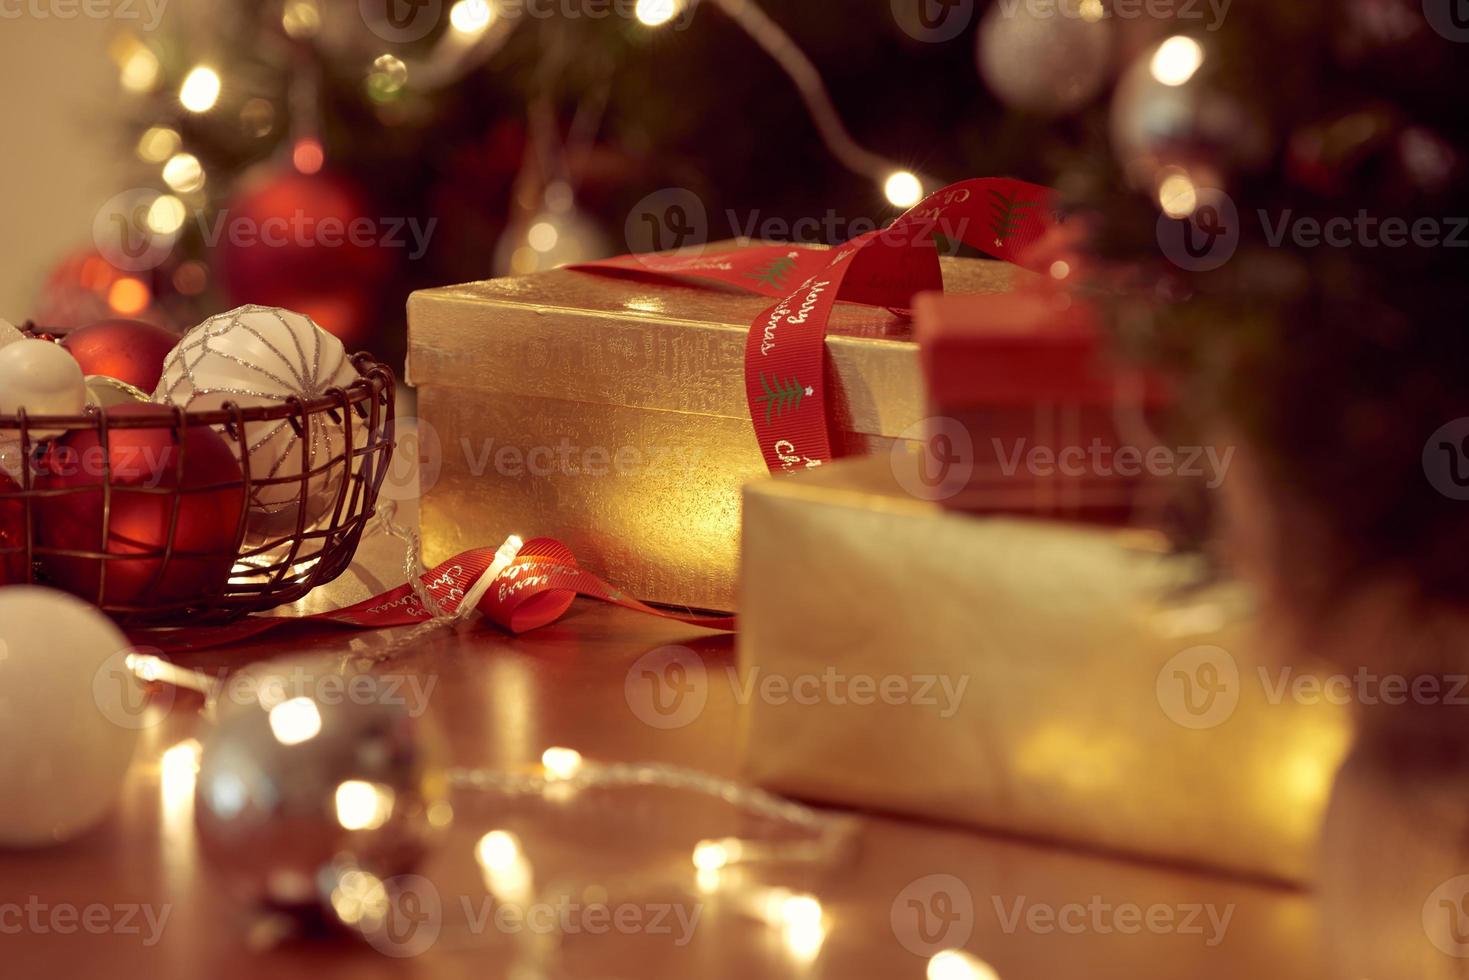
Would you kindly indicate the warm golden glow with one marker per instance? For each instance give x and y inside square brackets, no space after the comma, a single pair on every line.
[903,189]
[1177,195]
[129,296]
[655,13]
[1091,10]
[711,855]
[166,215]
[561,763]
[440,814]
[386,78]
[183,173]
[471,16]
[177,771]
[503,866]
[1176,60]
[295,721]
[200,90]
[542,236]
[301,19]
[498,850]
[1060,269]
[359,896]
[801,921]
[147,667]
[362,805]
[955,964]
[139,71]
[157,144]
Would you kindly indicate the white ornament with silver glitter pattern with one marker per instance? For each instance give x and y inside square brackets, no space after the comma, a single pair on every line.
[261,355]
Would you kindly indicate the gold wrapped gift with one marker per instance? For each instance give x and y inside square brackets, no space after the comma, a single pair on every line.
[1059,681]
[609,412]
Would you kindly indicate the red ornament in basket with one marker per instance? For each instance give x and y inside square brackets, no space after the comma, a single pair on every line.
[244,487]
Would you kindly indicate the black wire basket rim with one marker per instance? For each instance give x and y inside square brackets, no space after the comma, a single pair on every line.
[375,379]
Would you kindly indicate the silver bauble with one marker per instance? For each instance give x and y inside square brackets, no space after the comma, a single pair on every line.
[304,771]
[1169,113]
[1047,64]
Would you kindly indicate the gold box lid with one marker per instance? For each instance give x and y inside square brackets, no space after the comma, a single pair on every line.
[659,344]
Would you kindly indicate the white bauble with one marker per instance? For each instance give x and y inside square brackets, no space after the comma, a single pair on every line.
[9,332]
[70,712]
[1046,64]
[42,378]
[261,355]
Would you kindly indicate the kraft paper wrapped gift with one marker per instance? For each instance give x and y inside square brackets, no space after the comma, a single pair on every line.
[1054,680]
[610,413]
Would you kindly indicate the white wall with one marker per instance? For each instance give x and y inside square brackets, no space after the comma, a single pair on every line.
[59,142]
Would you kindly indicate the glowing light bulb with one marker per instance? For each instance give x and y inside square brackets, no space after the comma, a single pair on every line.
[655,13]
[362,805]
[165,216]
[184,173]
[295,721]
[542,236]
[471,16]
[386,78]
[148,668]
[711,855]
[499,850]
[903,189]
[139,73]
[301,19]
[200,90]
[955,964]
[1176,60]
[129,296]
[561,763]
[1177,196]
[158,144]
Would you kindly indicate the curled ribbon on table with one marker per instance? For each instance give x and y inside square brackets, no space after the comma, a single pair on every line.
[785,351]
[518,589]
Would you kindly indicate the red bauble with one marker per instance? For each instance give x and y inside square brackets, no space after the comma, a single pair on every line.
[129,350]
[305,242]
[12,533]
[145,484]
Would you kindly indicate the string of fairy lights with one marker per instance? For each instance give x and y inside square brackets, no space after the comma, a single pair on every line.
[476,30]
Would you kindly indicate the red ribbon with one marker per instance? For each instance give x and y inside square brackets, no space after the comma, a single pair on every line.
[785,385]
[785,351]
[534,590]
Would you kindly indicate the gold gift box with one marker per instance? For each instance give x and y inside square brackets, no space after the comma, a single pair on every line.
[1053,680]
[609,412]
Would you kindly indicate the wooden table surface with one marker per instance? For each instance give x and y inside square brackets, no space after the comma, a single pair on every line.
[1028,910]
[1031,911]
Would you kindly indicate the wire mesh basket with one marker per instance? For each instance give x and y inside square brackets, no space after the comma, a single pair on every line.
[130,545]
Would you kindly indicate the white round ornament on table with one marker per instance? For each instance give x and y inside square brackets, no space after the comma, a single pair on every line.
[42,378]
[260,355]
[69,715]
